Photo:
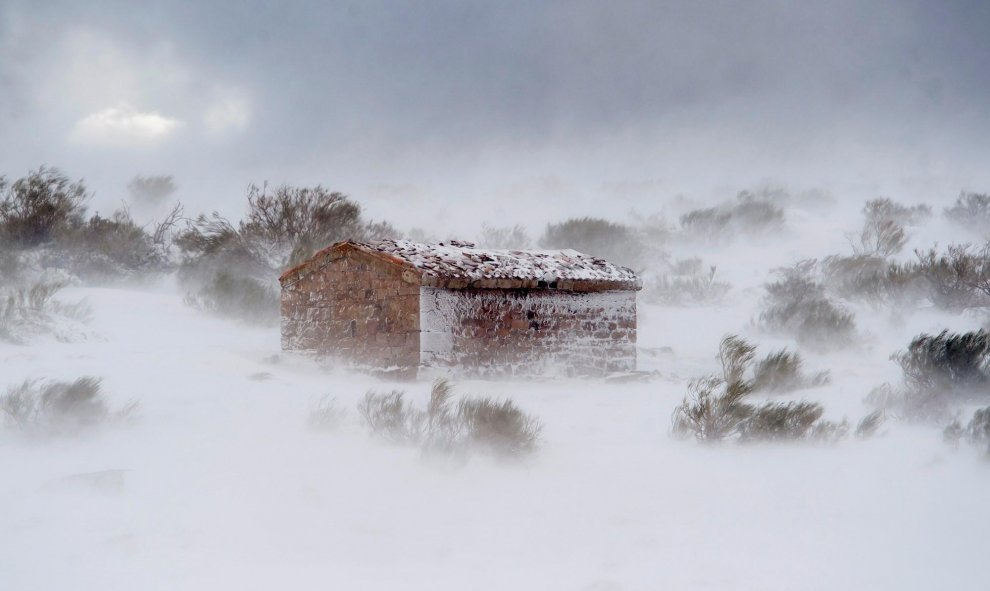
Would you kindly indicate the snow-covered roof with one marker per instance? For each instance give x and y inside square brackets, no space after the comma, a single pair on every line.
[459,265]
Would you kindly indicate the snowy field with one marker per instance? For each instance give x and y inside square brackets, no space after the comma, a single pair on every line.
[221,484]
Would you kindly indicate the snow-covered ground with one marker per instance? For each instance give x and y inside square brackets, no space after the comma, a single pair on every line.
[224,486]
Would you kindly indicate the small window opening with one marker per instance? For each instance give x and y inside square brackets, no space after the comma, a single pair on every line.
[352,329]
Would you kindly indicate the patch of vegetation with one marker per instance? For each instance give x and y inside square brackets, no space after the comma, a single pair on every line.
[614,242]
[514,238]
[958,278]
[444,428]
[797,305]
[940,370]
[30,311]
[718,406]
[59,408]
[971,211]
[750,214]
[687,283]
[229,267]
[45,212]
[782,371]
[241,298]
[327,415]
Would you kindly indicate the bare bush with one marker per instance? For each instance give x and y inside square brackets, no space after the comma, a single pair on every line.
[236,297]
[797,305]
[109,248]
[942,369]
[514,238]
[687,284]
[717,407]
[749,214]
[57,408]
[36,207]
[781,421]
[484,424]
[782,371]
[972,211]
[884,209]
[959,278]
[870,424]
[880,238]
[598,237]
[874,279]
[33,310]
[326,415]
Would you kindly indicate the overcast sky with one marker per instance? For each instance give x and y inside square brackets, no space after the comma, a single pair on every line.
[458,112]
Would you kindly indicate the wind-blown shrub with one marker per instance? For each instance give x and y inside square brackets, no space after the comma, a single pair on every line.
[749,214]
[870,424]
[283,226]
[617,243]
[717,407]
[236,297]
[957,279]
[941,369]
[495,427]
[32,310]
[33,209]
[781,421]
[873,279]
[326,415]
[782,371]
[880,238]
[687,283]
[514,238]
[885,209]
[57,408]
[797,305]
[972,211]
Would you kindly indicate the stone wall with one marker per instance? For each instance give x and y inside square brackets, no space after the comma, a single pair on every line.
[497,332]
[355,306]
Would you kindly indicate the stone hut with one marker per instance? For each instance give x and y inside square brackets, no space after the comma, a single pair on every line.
[401,305]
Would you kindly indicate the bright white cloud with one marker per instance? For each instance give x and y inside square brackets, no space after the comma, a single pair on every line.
[123,125]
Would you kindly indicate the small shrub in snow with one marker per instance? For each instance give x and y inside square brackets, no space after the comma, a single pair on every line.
[885,209]
[35,208]
[717,407]
[940,370]
[749,214]
[687,283]
[958,278]
[55,408]
[972,211]
[797,305]
[617,243]
[782,371]
[31,311]
[514,238]
[873,279]
[495,427]
[870,424]
[880,238]
[235,297]
[781,421]
[326,415]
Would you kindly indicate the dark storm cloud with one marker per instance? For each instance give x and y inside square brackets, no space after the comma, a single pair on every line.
[387,82]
